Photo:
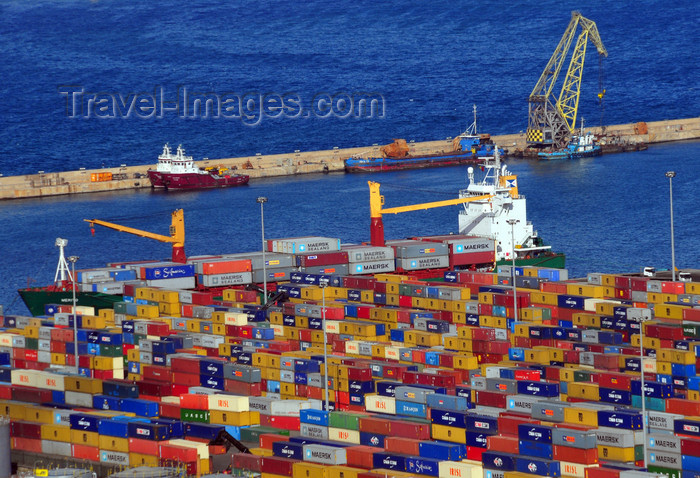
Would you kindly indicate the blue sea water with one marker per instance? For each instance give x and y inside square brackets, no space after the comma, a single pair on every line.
[427,62]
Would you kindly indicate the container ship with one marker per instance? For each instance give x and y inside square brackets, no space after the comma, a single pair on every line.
[178,171]
[485,239]
[468,148]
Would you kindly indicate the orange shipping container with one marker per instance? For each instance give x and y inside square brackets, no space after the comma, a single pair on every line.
[226,267]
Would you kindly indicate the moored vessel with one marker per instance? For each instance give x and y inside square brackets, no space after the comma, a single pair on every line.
[468,147]
[178,171]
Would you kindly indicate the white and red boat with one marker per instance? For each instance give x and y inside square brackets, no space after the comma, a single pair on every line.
[177,171]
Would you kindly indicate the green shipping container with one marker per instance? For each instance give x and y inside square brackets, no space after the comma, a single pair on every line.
[199,416]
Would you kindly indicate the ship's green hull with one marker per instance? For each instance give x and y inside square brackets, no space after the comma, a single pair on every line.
[555,261]
[36,299]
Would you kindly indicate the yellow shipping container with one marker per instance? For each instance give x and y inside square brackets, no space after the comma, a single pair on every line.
[302,469]
[341,471]
[85,384]
[615,454]
[585,289]
[139,459]
[537,356]
[147,311]
[56,433]
[669,311]
[495,322]
[445,433]
[80,437]
[544,298]
[427,339]
[581,416]
[584,390]
[114,444]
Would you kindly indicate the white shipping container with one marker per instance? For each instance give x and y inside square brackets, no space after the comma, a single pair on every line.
[217,280]
[176,283]
[418,263]
[380,404]
[325,454]
[458,469]
[28,378]
[43,356]
[79,399]
[202,448]
[114,457]
[228,403]
[575,470]
[59,448]
[344,435]
[373,267]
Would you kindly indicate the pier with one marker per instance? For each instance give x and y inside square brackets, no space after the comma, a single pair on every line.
[47,184]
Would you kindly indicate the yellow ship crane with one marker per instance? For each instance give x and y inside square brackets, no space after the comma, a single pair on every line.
[176,237]
[376,203]
[552,123]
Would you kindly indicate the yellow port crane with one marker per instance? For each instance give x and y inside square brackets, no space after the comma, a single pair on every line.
[549,123]
[376,203]
[176,237]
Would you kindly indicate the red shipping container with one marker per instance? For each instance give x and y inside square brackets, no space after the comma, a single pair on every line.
[284,423]
[362,374]
[22,429]
[168,451]
[474,453]
[187,379]
[602,472]
[5,392]
[157,373]
[690,447]
[692,315]
[376,425]
[502,443]
[103,374]
[361,456]
[85,452]
[446,360]
[267,439]
[194,402]
[145,447]
[669,287]
[497,347]
[400,428]
[606,361]
[622,282]
[26,444]
[508,424]
[523,342]
[618,381]
[406,446]
[575,455]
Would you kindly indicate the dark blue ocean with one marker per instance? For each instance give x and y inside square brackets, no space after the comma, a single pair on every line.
[87,84]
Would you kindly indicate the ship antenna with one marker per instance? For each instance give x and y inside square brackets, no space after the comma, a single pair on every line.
[62,269]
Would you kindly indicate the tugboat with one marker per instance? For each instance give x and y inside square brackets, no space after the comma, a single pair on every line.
[583,145]
[179,172]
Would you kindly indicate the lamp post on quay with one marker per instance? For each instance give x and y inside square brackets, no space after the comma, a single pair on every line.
[262,200]
[73,260]
[670,175]
[512,223]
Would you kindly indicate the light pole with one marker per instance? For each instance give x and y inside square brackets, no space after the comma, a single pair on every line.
[670,175]
[73,260]
[262,200]
[643,319]
[323,285]
[512,223]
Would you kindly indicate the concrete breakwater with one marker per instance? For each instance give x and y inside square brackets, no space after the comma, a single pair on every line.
[304,162]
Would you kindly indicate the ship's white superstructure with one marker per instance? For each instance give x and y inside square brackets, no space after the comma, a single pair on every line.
[490,217]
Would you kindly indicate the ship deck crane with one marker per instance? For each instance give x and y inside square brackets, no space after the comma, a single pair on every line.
[176,237]
[376,203]
[551,122]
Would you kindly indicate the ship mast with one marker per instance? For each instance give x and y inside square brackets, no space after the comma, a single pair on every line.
[62,269]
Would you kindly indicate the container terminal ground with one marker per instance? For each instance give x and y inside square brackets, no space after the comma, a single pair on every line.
[46,184]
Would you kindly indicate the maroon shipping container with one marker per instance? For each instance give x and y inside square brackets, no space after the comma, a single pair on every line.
[247,462]
[185,365]
[508,423]
[154,389]
[277,465]
[242,388]
[690,447]
[187,379]
[405,446]
[31,395]
[157,373]
[321,259]
[25,430]
[491,399]
[376,425]
[400,428]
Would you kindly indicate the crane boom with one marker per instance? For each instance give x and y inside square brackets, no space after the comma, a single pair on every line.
[176,238]
[376,201]
[552,122]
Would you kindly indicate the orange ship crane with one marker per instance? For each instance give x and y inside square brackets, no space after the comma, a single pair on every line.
[376,203]
[176,238]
